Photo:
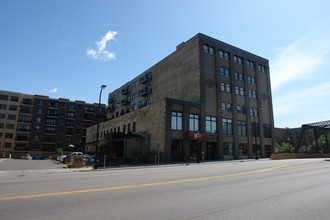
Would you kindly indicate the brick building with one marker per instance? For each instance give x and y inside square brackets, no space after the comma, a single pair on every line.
[38,124]
[205,86]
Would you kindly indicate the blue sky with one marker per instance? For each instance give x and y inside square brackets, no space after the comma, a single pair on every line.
[69,48]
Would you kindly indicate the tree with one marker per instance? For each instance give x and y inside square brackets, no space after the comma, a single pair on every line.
[59,151]
[285,148]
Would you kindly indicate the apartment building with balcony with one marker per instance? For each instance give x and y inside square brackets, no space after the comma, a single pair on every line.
[206,98]
[37,123]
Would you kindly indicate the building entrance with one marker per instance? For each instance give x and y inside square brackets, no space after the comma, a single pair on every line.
[211,150]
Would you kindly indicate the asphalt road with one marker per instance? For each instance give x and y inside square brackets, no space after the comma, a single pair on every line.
[264,189]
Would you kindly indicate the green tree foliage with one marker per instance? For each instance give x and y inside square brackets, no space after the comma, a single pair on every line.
[285,148]
[321,145]
[59,151]
[105,148]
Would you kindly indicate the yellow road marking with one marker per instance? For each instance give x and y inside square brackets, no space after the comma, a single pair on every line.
[156,183]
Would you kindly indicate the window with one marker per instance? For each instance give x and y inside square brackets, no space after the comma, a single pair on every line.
[252,94]
[2,125]
[50,130]
[133,108]
[51,121]
[9,135]
[4,97]
[134,126]
[253,111]
[241,109]
[224,72]
[7,145]
[224,55]
[148,102]
[261,68]
[10,126]
[176,121]
[72,107]
[250,64]
[70,115]
[24,119]
[40,102]
[193,122]
[133,96]
[27,101]
[251,80]
[211,124]
[39,111]
[11,117]
[14,98]
[3,106]
[208,49]
[237,59]
[255,129]
[239,91]
[226,106]
[227,126]
[225,87]
[135,84]
[267,131]
[37,128]
[227,148]
[2,116]
[140,104]
[239,76]
[13,107]
[241,125]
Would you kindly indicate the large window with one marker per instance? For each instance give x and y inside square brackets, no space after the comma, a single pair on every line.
[211,124]
[227,126]
[3,106]
[227,148]
[193,122]
[255,129]
[267,131]
[176,121]
[241,128]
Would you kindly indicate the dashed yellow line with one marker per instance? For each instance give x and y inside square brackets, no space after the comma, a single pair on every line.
[153,184]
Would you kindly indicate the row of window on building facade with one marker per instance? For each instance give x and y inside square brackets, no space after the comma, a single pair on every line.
[118,129]
[237,59]
[238,76]
[211,125]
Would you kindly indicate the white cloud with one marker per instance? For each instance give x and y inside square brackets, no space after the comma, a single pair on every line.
[309,98]
[53,90]
[100,53]
[299,60]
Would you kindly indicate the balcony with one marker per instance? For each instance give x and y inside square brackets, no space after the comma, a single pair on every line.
[146,91]
[126,91]
[27,102]
[26,110]
[111,100]
[111,109]
[125,102]
[23,129]
[145,79]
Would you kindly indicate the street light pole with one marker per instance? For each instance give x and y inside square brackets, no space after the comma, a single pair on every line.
[98,128]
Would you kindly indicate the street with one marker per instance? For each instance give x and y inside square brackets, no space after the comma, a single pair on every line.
[248,189]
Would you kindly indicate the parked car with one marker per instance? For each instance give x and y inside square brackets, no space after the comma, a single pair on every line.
[38,158]
[68,157]
[88,159]
[62,158]
[26,157]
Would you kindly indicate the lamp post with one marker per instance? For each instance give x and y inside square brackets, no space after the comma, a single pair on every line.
[98,128]
[197,137]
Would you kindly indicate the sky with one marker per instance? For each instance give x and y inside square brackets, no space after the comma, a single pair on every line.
[69,48]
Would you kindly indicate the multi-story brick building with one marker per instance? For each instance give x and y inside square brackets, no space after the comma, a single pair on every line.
[37,123]
[205,85]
